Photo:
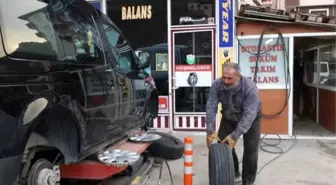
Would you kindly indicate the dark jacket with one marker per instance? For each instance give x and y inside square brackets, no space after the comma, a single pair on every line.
[240,105]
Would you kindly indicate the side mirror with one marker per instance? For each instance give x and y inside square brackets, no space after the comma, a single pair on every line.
[143,60]
[33,110]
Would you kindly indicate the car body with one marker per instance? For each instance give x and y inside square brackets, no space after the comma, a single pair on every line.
[71,54]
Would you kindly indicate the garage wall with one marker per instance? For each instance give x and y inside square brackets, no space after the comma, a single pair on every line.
[273,96]
[327,109]
[272,103]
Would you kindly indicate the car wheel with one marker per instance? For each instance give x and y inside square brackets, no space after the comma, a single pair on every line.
[168,147]
[42,173]
[221,168]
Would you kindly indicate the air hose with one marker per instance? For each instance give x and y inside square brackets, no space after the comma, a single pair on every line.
[287,77]
[286,66]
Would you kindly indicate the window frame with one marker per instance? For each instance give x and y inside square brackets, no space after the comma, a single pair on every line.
[319,85]
[312,10]
[126,43]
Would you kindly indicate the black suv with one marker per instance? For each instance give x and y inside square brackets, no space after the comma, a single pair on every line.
[70,85]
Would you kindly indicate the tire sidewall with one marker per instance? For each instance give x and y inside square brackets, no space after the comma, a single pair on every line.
[166,150]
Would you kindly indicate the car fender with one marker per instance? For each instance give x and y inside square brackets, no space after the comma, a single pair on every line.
[58,129]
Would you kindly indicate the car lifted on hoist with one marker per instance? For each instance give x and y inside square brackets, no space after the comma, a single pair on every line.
[72,94]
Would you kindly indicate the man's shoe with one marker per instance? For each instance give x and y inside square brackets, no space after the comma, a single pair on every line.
[237,175]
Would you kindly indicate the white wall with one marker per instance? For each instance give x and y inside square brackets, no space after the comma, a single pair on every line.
[317,3]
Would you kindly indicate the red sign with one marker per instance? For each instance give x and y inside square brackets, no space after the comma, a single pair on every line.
[193,68]
[163,104]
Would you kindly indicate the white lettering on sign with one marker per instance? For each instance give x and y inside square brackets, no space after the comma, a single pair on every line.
[162,106]
[270,69]
[225,18]
[197,67]
[136,12]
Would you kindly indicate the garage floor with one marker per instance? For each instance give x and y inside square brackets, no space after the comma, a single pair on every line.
[308,127]
[310,162]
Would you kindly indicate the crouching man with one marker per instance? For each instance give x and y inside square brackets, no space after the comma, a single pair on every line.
[241,115]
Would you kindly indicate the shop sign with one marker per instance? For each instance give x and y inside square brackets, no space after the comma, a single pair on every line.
[226,18]
[197,75]
[163,104]
[136,12]
[225,55]
[270,68]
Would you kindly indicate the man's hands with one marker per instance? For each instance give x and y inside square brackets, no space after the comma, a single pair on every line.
[232,143]
[210,137]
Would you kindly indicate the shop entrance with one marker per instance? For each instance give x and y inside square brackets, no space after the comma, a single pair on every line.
[192,75]
[314,81]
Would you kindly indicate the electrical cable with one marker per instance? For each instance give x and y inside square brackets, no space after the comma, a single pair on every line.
[287,77]
[169,172]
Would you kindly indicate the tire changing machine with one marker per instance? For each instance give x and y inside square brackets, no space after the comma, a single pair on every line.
[125,163]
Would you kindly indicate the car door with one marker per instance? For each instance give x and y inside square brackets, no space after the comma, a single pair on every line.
[97,112]
[132,86]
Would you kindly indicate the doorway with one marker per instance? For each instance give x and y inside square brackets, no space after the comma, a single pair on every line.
[314,86]
[192,74]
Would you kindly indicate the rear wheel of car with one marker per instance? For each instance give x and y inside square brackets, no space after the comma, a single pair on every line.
[221,168]
[42,173]
[168,147]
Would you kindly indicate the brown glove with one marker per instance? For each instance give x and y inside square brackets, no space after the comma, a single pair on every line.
[210,138]
[232,143]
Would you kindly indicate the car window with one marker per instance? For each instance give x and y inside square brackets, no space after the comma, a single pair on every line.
[57,32]
[121,49]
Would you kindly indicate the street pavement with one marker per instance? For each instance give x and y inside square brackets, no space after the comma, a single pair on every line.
[309,162]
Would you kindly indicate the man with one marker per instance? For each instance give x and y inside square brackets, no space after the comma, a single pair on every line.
[241,115]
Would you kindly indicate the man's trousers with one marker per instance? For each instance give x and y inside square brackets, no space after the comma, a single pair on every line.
[251,148]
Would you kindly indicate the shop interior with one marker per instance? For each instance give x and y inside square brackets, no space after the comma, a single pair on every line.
[314,82]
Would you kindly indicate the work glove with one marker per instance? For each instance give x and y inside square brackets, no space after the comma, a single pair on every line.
[232,143]
[211,137]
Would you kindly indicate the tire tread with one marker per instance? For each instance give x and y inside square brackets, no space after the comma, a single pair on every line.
[221,168]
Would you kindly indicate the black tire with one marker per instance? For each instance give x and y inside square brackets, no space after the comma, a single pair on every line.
[167,147]
[35,170]
[221,168]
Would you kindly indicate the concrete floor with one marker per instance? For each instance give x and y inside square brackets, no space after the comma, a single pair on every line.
[310,162]
[308,127]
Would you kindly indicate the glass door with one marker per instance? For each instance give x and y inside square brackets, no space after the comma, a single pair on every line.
[193,73]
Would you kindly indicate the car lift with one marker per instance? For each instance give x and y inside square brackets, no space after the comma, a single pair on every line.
[135,174]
